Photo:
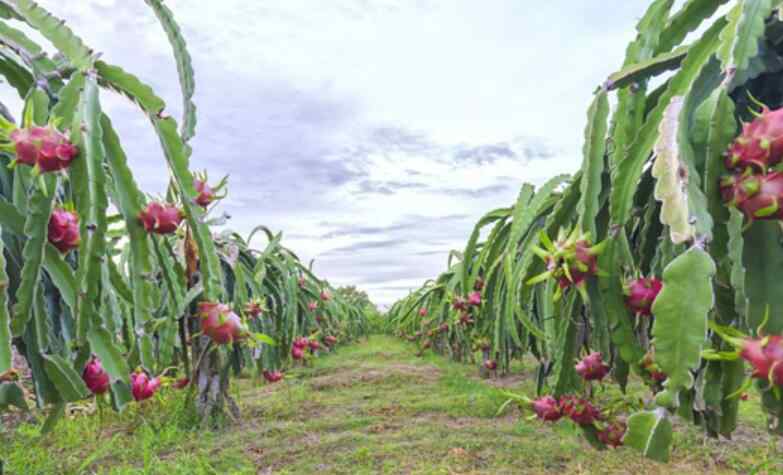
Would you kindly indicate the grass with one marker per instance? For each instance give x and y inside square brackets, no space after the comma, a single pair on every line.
[370,408]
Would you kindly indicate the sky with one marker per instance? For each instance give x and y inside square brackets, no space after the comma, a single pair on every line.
[373,133]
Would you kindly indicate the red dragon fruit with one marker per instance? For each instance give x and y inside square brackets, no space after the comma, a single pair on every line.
[648,364]
[95,377]
[612,435]
[640,294]
[206,195]
[181,383]
[312,306]
[43,148]
[422,312]
[326,296]
[547,409]
[478,285]
[254,308]
[301,342]
[63,230]
[757,196]
[459,304]
[443,328]
[221,324]
[760,145]
[474,298]
[765,355]
[466,319]
[579,410]
[330,340]
[592,367]
[297,353]
[314,345]
[272,376]
[570,260]
[491,365]
[160,218]
[142,386]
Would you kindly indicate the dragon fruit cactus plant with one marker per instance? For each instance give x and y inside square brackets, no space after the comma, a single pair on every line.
[63,230]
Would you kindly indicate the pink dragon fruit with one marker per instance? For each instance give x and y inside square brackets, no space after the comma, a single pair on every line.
[330,340]
[301,342]
[254,308]
[63,230]
[443,328]
[272,376]
[220,324]
[592,367]
[423,312]
[181,383]
[547,409]
[326,296]
[757,196]
[640,294]
[579,410]
[474,298]
[160,218]
[95,377]
[142,386]
[760,145]
[491,365]
[459,304]
[312,306]
[206,195]
[478,286]
[43,148]
[612,435]
[765,356]
[314,345]
[297,353]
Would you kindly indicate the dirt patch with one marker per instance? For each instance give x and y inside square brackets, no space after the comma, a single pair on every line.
[360,375]
[504,381]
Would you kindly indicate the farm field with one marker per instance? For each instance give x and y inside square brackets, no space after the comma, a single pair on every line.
[373,407]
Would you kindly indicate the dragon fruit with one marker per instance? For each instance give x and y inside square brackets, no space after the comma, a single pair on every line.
[330,340]
[314,345]
[760,145]
[612,434]
[181,383]
[44,148]
[160,218]
[491,365]
[474,298]
[206,195]
[254,308]
[592,367]
[579,410]
[297,353]
[95,377]
[312,306]
[757,196]
[63,230]
[765,355]
[459,304]
[326,296]
[648,364]
[142,386]
[547,409]
[478,286]
[443,328]
[272,376]
[466,319]
[301,342]
[570,260]
[220,324]
[422,312]
[640,294]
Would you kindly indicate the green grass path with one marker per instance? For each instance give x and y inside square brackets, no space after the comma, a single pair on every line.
[374,407]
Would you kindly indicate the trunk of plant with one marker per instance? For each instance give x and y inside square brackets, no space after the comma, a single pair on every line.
[210,372]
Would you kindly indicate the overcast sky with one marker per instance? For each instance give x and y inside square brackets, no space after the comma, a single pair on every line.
[374,133]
